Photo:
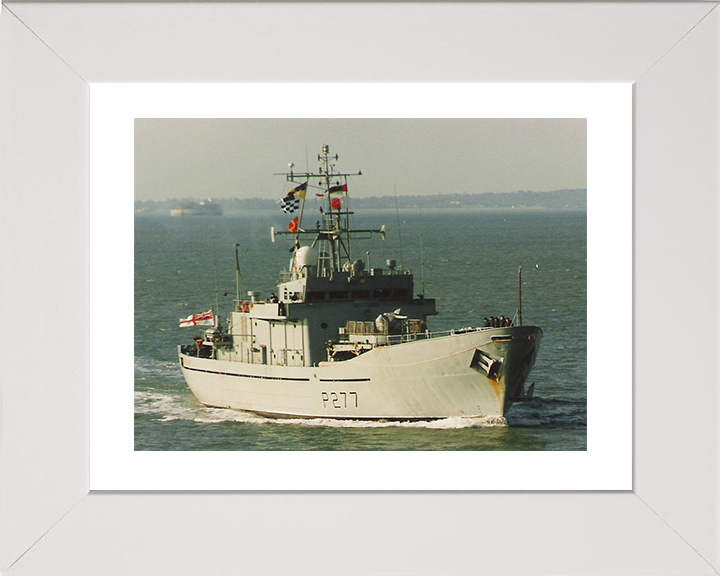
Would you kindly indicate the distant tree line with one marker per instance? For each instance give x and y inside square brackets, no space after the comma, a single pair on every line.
[524,199]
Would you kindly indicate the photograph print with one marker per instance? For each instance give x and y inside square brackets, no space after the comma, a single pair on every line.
[360,284]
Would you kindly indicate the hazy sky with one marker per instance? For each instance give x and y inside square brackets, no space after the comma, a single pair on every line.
[236,158]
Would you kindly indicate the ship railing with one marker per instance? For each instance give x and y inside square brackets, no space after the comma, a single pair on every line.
[410,337]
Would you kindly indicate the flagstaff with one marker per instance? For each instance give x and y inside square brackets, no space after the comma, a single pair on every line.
[520,312]
[237,277]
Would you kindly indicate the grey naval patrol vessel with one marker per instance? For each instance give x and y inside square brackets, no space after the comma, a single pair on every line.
[345,341]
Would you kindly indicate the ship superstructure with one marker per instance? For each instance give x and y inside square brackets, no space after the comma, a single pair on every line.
[340,339]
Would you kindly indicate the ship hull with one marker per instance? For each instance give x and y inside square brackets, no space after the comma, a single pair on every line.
[474,374]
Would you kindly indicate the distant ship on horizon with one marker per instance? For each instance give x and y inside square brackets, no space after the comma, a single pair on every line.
[203,208]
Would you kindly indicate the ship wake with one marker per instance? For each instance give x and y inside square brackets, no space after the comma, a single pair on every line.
[167,407]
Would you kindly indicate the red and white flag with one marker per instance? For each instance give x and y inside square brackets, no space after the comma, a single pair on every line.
[338,188]
[204,319]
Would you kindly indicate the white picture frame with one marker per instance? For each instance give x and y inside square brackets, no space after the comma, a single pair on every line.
[606,109]
[668,523]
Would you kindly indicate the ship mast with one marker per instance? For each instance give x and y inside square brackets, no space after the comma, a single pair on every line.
[337,217]
[332,231]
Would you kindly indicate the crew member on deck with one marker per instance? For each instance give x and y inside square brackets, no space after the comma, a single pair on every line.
[198,343]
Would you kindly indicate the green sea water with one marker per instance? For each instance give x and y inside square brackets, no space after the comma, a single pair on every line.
[467,259]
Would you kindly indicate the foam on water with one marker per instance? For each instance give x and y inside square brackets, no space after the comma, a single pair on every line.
[169,407]
[150,369]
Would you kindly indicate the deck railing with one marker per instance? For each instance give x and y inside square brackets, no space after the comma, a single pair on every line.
[401,338]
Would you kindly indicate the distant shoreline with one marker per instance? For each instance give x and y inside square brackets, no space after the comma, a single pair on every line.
[449,210]
[559,200]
